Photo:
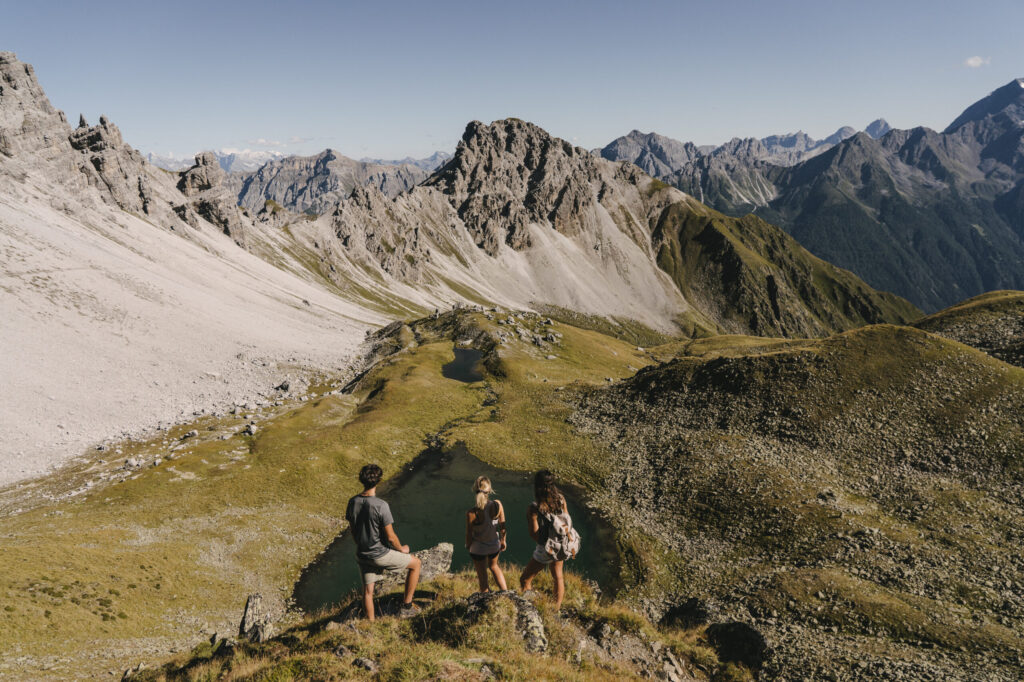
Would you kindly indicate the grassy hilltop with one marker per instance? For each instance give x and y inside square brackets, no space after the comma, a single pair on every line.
[855,499]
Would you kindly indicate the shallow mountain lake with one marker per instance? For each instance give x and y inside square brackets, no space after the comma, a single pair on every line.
[429,502]
[465,367]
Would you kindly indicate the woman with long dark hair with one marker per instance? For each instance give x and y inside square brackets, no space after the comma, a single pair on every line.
[551,528]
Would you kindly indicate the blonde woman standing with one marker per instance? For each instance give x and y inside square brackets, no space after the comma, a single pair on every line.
[485,534]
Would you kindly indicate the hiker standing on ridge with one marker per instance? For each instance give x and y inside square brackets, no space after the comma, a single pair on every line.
[551,528]
[485,534]
[378,549]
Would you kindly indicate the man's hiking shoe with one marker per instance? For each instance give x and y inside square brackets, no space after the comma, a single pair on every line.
[408,611]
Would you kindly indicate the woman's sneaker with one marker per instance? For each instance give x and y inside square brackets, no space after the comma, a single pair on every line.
[408,610]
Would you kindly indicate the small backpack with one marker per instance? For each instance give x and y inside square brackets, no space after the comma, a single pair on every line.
[563,541]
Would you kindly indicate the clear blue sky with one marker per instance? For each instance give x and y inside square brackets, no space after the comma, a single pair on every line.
[395,78]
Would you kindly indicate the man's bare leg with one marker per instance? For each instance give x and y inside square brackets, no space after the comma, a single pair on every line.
[412,579]
[368,600]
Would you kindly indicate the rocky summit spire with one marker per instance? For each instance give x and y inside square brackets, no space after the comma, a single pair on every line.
[511,173]
[82,123]
[29,125]
[878,128]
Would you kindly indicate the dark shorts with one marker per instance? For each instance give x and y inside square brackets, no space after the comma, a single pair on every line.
[481,557]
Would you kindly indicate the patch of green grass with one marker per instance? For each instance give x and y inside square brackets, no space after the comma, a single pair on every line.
[624,329]
[439,643]
[655,186]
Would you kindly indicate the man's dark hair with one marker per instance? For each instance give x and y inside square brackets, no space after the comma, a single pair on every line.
[370,476]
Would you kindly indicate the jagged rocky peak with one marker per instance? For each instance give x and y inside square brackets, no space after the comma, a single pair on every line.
[746,147]
[653,153]
[511,173]
[204,175]
[29,124]
[798,141]
[838,136]
[96,138]
[315,184]
[1006,102]
[878,128]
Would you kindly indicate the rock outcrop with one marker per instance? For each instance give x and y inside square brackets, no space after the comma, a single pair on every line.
[29,125]
[256,625]
[529,625]
[436,561]
[211,200]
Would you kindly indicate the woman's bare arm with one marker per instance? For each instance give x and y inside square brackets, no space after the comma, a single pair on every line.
[501,525]
[469,531]
[532,524]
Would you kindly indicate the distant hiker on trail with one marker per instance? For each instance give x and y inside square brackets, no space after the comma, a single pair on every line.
[485,534]
[370,520]
[551,528]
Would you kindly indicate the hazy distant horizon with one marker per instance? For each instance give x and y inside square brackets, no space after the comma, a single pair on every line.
[404,80]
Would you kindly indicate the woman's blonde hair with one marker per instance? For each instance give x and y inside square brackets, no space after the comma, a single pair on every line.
[482,488]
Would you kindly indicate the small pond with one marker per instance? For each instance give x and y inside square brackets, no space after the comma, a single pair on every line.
[465,367]
[429,502]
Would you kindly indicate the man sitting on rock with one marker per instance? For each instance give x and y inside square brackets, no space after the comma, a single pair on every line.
[378,549]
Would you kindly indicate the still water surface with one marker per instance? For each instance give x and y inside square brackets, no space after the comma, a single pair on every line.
[465,367]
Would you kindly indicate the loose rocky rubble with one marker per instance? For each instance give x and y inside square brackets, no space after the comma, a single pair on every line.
[993,323]
[832,515]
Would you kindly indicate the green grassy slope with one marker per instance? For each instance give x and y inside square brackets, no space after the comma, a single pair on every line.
[749,275]
[858,493]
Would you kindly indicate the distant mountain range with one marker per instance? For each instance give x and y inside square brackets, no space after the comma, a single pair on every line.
[429,163]
[250,161]
[231,160]
[934,217]
[307,184]
[662,156]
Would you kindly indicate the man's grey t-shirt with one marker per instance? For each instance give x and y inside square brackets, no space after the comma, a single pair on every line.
[367,517]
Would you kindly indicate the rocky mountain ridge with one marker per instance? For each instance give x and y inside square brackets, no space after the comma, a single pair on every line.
[125,271]
[428,163]
[662,156]
[517,218]
[589,232]
[935,217]
[315,184]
